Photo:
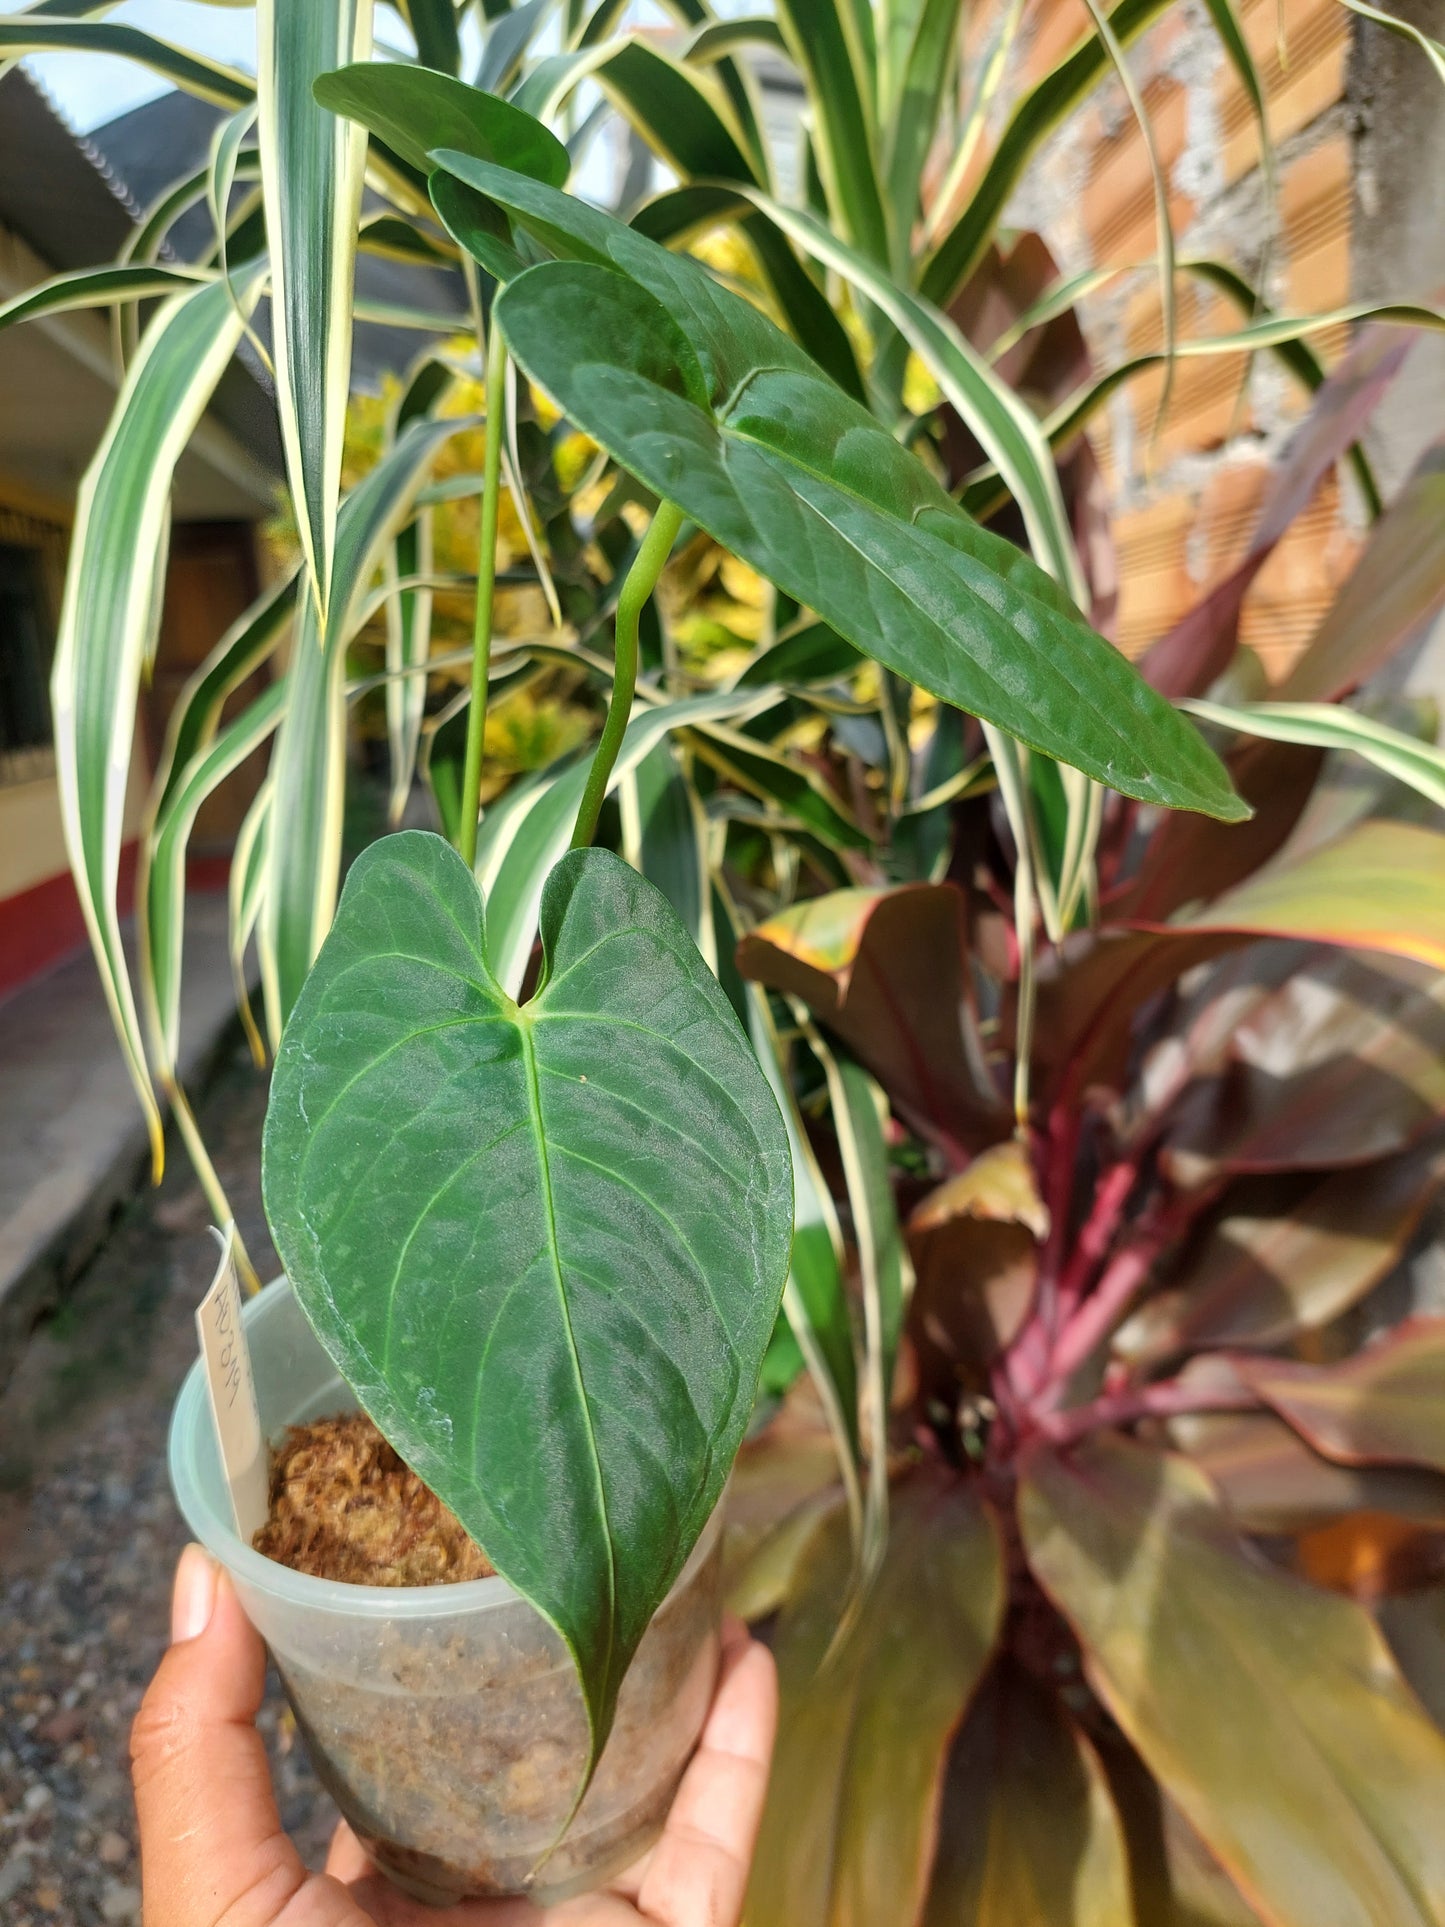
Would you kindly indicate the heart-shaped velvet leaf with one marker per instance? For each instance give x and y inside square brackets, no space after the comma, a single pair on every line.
[545,1244]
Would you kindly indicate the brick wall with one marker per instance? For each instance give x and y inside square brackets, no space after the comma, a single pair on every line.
[1186,488]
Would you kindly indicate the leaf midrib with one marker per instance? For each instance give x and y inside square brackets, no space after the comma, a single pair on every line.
[523,1024]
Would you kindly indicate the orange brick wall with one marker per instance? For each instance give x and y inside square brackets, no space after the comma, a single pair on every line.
[1186,488]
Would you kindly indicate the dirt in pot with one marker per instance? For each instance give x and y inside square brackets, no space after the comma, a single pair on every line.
[344,1506]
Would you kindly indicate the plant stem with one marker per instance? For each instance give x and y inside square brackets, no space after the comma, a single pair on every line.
[471,805]
[1117,1288]
[1169,1400]
[641,580]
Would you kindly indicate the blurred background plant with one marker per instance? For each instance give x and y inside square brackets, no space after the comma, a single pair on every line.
[1079,1490]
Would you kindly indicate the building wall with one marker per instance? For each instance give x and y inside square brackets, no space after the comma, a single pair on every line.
[1355,215]
[212,576]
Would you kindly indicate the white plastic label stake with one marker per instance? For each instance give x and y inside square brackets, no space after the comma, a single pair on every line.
[233,1392]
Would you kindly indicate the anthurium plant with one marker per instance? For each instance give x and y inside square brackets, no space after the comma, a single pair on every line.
[1156,1451]
[492,1288]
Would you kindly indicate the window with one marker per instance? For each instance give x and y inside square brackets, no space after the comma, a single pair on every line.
[26,644]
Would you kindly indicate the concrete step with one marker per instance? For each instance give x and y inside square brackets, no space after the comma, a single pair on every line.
[74,1145]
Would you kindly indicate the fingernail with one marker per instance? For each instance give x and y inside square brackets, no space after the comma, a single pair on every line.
[194,1598]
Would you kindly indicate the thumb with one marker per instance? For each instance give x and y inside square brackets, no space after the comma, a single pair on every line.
[212,1843]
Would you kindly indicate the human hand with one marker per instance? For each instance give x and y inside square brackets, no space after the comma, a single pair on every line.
[213,1852]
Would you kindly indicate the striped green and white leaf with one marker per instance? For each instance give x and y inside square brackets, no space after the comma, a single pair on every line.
[1432,49]
[1038,115]
[98,288]
[162,882]
[1330,726]
[251,640]
[526,832]
[243,907]
[829,44]
[313,165]
[815,1300]
[212,80]
[665,835]
[111,610]
[308,764]
[410,560]
[860,1111]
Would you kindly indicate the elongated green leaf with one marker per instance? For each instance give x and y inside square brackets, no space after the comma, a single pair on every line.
[212,80]
[1003,423]
[1286,1257]
[859,1114]
[1271,331]
[308,764]
[854,1795]
[1328,726]
[1029,1836]
[665,836]
[1298,357]
[908,118]
[110,611]
[251,639]
[682,110]
[414,110]
[143,243]
[828,50]
[311,179]
[1036,116]
[781,779]
[1327,1808]
[719,37]
[714,408]
[434,27]
[510,37]
[815,1300]
[1433,51]
[1386,1404]
[393,239]
[526,833]
[164,865]
[408,643]
[614,1211]
[808,654]
[409,610]
[97,288]
[243,907]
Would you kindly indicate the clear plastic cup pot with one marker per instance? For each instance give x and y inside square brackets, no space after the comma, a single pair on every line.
[446,1721]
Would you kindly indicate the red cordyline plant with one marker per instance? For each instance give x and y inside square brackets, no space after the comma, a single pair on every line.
[1105,1645]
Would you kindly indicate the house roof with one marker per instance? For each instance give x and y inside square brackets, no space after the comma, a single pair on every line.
[153,144]
[70,201]
[65,205]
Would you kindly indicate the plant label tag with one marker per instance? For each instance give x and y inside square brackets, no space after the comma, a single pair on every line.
[233,1392]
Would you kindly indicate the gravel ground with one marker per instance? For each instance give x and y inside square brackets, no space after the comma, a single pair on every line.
[89,1536]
